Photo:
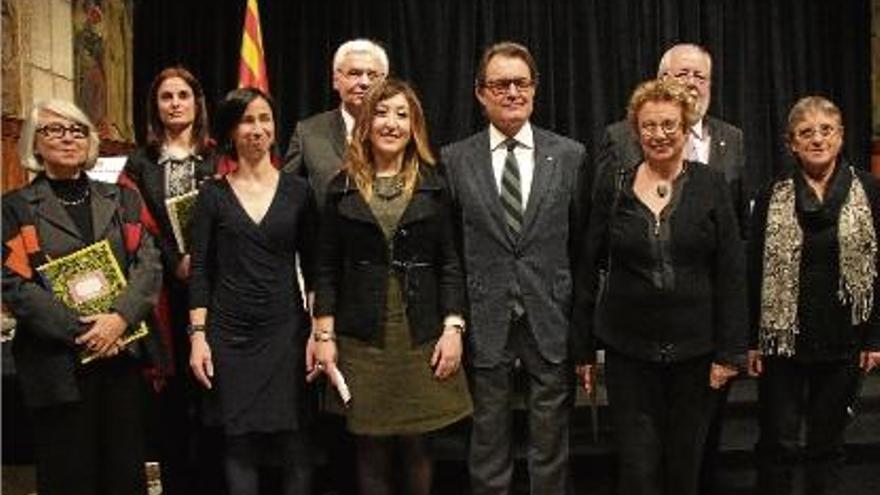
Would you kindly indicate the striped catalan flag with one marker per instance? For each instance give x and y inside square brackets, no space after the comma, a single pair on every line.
[252,66]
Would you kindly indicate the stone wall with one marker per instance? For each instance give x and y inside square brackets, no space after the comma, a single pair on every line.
[37,53]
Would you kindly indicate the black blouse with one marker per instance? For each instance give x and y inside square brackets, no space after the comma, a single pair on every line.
[675,286]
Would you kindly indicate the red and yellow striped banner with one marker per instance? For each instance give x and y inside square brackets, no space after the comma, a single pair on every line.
[252,66]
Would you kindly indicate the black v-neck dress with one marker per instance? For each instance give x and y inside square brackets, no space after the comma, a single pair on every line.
[245,274]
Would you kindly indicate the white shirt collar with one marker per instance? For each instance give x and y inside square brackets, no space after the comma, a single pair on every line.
[698,130]
[348,120]
[525,137]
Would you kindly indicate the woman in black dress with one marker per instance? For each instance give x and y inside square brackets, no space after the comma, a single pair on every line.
[174,161]
[813,263]
[389,285]
[247,323]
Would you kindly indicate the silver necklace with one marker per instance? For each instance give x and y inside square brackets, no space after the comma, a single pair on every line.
[77,201]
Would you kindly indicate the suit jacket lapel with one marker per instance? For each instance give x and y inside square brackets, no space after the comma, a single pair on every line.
[49,208]
[337,133]
[103,208]
[718,143]
[545,165]
[486,186]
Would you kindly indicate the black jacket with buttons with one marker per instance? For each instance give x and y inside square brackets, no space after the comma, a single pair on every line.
[675,288]
[355,259]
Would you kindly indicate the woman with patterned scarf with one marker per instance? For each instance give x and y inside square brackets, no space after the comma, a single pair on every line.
[813,275]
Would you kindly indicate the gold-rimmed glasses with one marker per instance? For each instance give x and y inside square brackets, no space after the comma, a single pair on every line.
[685,75]
[824,131]
[356,74]
[667,127]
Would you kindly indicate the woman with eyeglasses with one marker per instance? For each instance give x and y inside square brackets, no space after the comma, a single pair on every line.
[88,421]
[813,265]
[662,291]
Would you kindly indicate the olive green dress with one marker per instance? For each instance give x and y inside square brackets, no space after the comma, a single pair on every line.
[393,388]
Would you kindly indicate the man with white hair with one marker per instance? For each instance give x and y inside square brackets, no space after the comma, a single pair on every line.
[318,143]
[711,141]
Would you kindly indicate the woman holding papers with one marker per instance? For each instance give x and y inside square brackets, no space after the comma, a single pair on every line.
[248,325]
[167,172]
[389,293]
[80,274]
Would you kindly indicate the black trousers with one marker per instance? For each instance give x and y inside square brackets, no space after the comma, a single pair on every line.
[94,446]
[548,402]
[190,453]
[661,414]
[709,483]
[791,394]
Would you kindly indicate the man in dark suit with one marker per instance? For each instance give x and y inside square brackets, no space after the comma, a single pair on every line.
[518,195]
[711,141]
[318,143]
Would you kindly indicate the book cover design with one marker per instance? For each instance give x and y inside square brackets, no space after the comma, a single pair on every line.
[179,213]
[88,281]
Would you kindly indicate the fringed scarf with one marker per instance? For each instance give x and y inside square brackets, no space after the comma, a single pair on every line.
[857,243]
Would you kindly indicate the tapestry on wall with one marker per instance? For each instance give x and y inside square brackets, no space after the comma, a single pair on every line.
[102,47]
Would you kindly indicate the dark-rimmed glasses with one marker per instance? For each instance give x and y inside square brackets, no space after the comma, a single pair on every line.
[57,131]
[499,87]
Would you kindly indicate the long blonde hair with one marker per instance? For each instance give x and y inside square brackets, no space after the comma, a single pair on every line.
[359,160]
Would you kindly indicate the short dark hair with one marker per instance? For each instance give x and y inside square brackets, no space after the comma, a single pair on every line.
[155,128]
[506,49]
[229,113]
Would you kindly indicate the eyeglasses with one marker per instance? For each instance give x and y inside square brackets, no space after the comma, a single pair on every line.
[667,127]
[499,87]
[57,131]
[824,131]
[356,74]
[684,75]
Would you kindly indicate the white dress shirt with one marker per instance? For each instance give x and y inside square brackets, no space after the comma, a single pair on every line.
[525,156]
[348,120]
[699,142]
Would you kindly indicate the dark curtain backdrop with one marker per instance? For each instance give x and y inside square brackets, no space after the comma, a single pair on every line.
[590,53]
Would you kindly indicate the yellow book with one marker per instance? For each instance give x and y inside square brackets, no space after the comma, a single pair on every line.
[179,213]
[89,281]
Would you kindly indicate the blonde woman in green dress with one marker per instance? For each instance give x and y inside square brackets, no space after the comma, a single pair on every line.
[389,295]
